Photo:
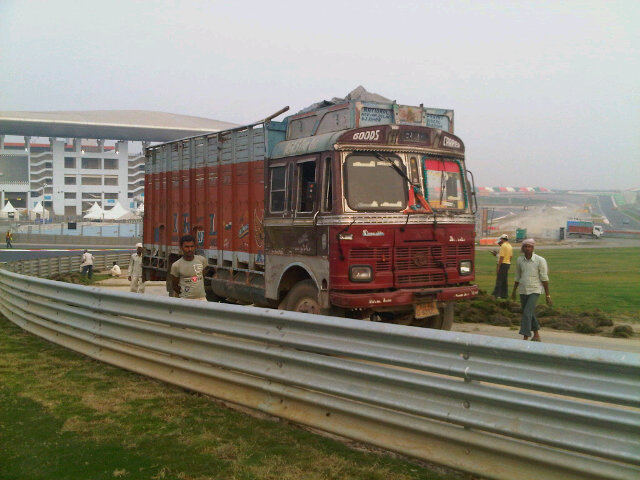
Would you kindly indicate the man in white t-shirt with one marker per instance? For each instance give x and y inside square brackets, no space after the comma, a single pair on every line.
[187,273]
[87,264]
[135,271]
[115,270]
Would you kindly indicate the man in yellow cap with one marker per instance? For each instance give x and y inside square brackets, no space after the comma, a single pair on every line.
[135,271]
[502,270]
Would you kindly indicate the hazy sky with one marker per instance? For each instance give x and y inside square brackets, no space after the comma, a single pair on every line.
[544,93]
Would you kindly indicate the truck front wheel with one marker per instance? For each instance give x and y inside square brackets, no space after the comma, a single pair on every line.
[303,297]
[442,321]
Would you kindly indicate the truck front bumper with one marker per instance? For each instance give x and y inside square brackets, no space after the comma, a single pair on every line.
[403,297]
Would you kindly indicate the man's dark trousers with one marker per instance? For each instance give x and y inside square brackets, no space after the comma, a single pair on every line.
[88,271]
[502,288]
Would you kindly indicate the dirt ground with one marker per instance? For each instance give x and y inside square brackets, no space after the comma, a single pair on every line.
[548,335]
[555,336]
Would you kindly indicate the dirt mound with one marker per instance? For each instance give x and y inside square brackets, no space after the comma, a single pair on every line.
[494,311]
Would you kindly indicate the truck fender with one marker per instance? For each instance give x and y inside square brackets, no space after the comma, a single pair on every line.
[281,273]
[304,267]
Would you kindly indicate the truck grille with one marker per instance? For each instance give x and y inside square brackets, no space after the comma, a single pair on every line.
[455,253]
[411,258]
[420,278]
[378,257]
[424,265]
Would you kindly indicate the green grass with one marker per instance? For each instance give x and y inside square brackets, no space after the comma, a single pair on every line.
[64,416]
[630,211]
[582,279]
[78,278]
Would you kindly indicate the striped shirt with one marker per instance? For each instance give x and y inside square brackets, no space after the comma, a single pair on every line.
[530,274]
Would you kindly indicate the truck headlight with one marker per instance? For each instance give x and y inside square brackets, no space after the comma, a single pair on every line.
[360,273]
[465,267]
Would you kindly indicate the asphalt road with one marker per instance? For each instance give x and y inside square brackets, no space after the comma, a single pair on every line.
[616,217]
[30,252]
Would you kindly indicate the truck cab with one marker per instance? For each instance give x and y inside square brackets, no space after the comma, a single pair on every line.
[598,231]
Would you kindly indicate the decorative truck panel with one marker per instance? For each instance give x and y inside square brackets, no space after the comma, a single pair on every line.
[214,190]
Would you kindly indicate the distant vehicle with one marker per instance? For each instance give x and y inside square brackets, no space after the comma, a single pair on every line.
[625,221]
[581,228]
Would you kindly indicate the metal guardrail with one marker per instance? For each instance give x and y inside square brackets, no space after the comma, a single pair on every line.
[496,407]
[52,266]
[84,240]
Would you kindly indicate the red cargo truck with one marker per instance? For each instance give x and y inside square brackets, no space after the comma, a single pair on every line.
[360,209]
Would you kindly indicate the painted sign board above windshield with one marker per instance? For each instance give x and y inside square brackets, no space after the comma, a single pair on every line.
[417,136]
[452,143]
[414,136]
[369,135]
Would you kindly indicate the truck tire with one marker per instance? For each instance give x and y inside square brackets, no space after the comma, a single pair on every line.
[447,316]
[303,297]
[212,297]
[442,321]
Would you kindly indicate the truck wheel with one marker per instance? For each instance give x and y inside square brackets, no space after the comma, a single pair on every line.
[303,297]
[447,316]
[212,297]
[442,321]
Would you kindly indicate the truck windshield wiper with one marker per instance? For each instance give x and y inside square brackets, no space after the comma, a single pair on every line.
[424,203]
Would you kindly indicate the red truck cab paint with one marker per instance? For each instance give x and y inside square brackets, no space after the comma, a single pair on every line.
[362,209]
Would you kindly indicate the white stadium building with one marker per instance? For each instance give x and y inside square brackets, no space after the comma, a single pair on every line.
[71,160]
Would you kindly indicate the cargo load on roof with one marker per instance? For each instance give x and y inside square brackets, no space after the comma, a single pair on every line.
[363,109]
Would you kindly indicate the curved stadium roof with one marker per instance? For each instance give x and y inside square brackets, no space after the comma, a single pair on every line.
[134,125]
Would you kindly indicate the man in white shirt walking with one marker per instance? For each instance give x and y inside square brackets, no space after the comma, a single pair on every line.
[135,271]
[532,278]
[87,264]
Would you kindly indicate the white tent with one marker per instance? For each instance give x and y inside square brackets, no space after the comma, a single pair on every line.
[116,212]
[130,216]
[8,208]
[9,211]
[39,210]
[95,208]
[94,213]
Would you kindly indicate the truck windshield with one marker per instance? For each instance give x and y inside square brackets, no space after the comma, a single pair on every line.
[443,184]
[372,184]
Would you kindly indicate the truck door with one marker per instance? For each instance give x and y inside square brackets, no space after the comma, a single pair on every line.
[305,195]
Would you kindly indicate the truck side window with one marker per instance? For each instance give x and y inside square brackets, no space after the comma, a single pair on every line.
[327,197]
[306,186]
[278,185]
